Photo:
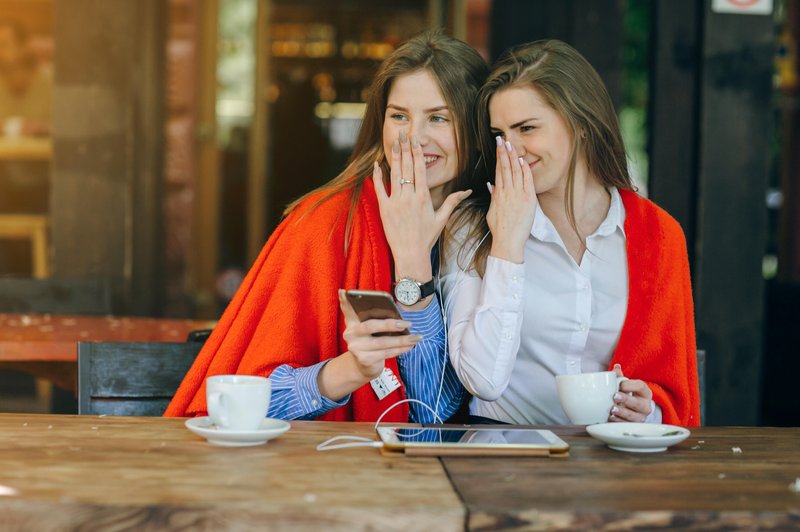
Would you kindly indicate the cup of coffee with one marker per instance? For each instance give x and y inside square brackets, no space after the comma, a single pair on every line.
[587,398]
[238,402]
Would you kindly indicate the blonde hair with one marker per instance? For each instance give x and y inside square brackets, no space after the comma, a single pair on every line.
[570,85]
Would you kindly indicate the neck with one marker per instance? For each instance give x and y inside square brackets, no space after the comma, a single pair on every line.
[590,199]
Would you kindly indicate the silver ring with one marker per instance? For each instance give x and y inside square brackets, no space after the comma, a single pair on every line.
[406,182]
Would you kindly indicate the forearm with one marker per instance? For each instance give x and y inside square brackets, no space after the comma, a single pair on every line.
[295,394]
[426,371]
[486,321]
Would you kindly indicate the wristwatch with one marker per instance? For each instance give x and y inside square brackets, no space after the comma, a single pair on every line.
[409,292]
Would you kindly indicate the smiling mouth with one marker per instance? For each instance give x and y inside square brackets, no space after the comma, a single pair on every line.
[430,160]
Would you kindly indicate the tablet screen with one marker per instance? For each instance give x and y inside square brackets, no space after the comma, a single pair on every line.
[471,437]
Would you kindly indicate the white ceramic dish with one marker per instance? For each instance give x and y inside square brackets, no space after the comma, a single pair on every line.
[269,429]
[638,437]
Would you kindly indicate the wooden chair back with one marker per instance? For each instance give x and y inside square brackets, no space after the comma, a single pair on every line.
[131,378]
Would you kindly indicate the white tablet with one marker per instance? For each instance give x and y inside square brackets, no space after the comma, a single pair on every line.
[478,441]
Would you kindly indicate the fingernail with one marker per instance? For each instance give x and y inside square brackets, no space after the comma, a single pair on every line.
[508,146]
[376,168]
[403,137]
[489,186]
[618,397]
[521,161]
[615,410]
[415,141]
[416,337]
[499,140]
[401,324]
[395,147]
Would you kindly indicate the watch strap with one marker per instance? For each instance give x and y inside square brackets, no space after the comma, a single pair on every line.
[426,289]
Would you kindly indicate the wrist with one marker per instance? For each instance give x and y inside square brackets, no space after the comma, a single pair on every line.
[503,251]
[341,376]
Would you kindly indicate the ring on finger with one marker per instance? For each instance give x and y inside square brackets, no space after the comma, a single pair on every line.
[406,182]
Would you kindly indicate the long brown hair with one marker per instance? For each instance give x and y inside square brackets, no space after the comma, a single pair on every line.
[459,72]
[570,85]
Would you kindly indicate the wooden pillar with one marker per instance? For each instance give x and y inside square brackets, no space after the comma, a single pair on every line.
[106,210]
[734,143]
[593,27]
[673,113]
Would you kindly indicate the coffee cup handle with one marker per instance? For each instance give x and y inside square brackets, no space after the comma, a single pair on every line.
[215,404]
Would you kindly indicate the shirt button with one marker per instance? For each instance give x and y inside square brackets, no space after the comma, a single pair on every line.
[582,327]
[508,336]
[515,278]
[314,402]
[586,286]
[515,296]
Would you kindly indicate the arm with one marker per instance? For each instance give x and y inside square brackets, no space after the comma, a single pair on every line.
[296,395]
[485,318]
[421,368]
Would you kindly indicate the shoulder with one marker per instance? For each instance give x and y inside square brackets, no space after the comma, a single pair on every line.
[643,216]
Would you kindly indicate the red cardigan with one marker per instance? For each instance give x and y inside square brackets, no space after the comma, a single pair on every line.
[657,342]
[287,309]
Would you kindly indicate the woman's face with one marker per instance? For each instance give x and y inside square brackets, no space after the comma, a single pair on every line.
[541,137]
[416,106]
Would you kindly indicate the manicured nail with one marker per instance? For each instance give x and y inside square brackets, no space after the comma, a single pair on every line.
[490,187]
[402,324]
[508,146]
[416,337]
[376,168]
[415,141]
[403,137]
[521,161]
[499,140]
[615,410]
[395,147]
[618,397]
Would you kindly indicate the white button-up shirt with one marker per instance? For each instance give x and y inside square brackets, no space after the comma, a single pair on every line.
[513,331]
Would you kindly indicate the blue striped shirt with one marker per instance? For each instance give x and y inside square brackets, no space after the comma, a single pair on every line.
[295,393]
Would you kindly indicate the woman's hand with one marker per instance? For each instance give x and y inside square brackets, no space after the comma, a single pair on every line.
[365,355]
[633,401]
[411,222]
[513,204]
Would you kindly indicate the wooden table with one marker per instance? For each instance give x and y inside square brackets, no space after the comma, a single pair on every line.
[702,483]
[93,473]
[46,345]
[101,473]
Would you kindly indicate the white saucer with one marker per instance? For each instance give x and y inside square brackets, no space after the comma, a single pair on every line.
[638,437]
[269,429]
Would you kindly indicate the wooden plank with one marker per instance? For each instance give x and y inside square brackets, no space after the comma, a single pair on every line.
[101,473]
[699,484]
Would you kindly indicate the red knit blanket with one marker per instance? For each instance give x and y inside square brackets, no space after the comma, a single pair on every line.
[657,342]
[287,309]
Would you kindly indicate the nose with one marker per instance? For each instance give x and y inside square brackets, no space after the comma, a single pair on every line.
[519,146]
[419,130]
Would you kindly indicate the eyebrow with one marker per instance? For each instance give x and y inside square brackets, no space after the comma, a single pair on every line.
[522,122]
[431,110]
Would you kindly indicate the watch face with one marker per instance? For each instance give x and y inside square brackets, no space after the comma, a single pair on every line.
[407,292]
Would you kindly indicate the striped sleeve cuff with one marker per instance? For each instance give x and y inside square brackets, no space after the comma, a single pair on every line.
[295,393]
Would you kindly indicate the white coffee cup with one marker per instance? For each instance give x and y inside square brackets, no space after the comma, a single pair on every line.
[238,402]
[587,398]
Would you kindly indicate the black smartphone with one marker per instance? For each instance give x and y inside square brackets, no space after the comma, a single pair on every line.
[373,304]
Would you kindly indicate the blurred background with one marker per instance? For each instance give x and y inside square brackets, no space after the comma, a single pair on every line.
[150,146]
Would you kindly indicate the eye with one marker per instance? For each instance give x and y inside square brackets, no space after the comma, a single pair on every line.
[441,119]
[526,129]
[397,116]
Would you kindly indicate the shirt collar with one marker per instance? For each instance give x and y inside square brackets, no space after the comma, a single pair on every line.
[544,230]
